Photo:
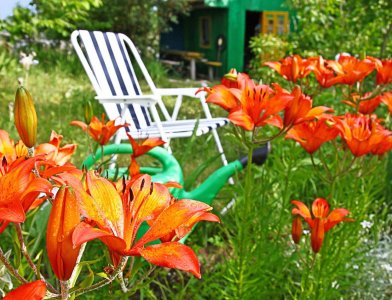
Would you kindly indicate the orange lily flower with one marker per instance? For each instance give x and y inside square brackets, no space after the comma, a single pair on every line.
[364,105]
[9,149]
[292,67]
[312,134]
[259,106]
[350,70]
[361,133]
[53,151]
[299,109]
[35,290]
[384,70]
[63,219]
[250,105]
[98,130]
[139,149]
[324,75]
[384,146]
[19,188]
[322,222]
[225,94]
[119,219]
[387,99]
[368,106]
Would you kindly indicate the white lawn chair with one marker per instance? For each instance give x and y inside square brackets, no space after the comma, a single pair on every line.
[106,58]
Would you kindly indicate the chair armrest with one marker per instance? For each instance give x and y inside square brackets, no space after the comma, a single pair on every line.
[190,92]
[144,100]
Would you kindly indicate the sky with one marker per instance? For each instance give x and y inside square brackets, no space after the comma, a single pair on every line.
[6,6]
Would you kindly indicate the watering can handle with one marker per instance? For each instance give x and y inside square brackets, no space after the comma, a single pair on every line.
[259,155]
[171,170]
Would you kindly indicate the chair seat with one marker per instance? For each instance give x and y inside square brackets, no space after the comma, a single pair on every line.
[178,128]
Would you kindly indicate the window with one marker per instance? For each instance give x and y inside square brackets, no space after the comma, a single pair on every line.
[275,22]
[205,32]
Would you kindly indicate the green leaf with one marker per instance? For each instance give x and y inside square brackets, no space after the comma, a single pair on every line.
[88,281]
[103,275]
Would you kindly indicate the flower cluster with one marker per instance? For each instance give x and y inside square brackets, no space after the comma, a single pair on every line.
[87,206]
[251,106]
[346,69]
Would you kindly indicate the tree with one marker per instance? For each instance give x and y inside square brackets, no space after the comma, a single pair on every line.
[141,20]
[55,18]
[328,27]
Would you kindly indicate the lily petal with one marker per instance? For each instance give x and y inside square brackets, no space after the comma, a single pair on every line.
[302,210]
[106,208]
[35,290]
[336,216]
[317,234]
[171,218]
[173,255]
[320,208]
[84,233]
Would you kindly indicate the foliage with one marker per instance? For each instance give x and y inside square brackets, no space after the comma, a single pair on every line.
[141,20]
[266,47]
[329,27]
[55,18]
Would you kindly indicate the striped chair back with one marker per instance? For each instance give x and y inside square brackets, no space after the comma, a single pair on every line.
[105,56]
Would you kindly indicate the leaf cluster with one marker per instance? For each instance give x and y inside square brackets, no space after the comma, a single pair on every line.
[335,26]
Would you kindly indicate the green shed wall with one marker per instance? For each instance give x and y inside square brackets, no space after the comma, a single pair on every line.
[218,26]
[236,26]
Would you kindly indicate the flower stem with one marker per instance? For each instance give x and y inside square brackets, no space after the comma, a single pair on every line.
[103,282]
[30,152]
[64,289]
[26,254]
[10,268]
[145,275]
[123,285]
[243,211]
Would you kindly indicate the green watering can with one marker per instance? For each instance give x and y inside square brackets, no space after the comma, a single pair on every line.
[171,170]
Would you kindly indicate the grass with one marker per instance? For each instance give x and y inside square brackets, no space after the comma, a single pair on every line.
[250,255]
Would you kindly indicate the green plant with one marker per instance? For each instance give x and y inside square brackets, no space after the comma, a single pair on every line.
[337,26]
[266,47]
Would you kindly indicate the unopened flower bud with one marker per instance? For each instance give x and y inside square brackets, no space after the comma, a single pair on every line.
[88,111]
[296,230]
[232,75]
[25,117]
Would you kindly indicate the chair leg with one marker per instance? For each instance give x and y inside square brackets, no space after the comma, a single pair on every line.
[176,108]
[211,73]
[219,147]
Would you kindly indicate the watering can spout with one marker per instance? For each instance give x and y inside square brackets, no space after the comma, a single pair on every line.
[208,190]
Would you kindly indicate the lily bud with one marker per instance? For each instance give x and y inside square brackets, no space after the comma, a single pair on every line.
[296,230]
[88,111]
[232,75]
[63,218]
[25,117]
